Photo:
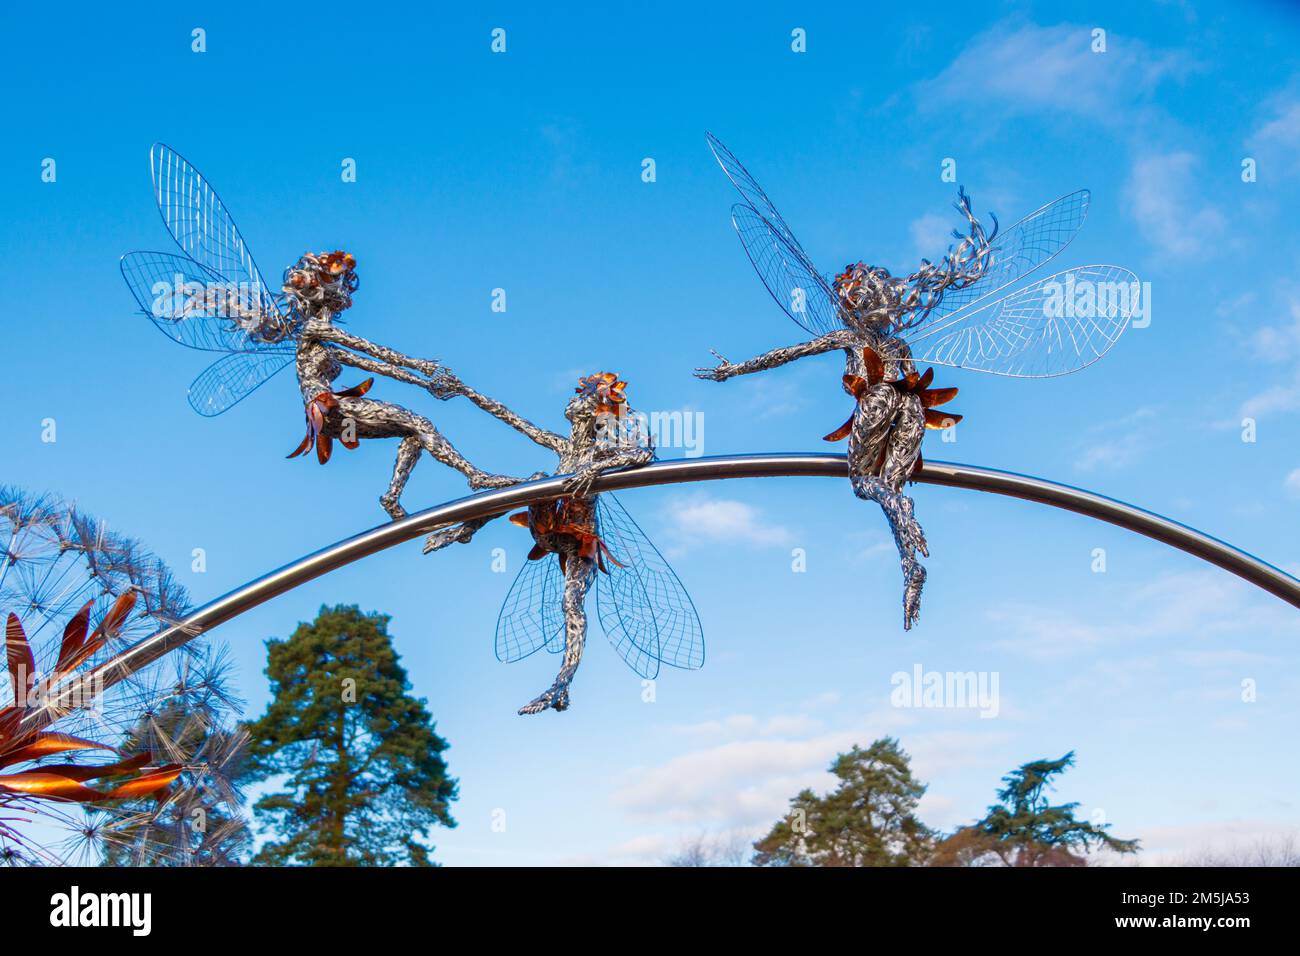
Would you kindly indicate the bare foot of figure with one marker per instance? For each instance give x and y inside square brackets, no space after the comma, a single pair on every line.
[557,697]
[454,534]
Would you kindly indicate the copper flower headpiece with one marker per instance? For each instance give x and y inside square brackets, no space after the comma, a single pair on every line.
[324,279]
[607,390]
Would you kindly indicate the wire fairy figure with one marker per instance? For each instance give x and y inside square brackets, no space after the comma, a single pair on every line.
[586,538]
[942,314]
[213,298]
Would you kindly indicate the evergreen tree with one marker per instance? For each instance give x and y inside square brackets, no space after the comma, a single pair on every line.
[868,820]
[1025,829]
[363,774]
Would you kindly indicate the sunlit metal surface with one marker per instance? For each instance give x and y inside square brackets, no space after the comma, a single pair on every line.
[1246,566]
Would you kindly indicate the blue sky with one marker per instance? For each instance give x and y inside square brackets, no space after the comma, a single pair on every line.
[522,171]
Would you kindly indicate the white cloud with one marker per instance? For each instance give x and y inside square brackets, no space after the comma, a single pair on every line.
[1240,840]
[931,234]
[1117,444]
[1276,141]
[749,782]
[747,725]
[1110,455]
[648,850]
[744,781]
[1275,398]
[701,518]
[1279,342]
[731,725]
[828,698]
[1050,70]
[1163,192]
[1201,605]
[1293,483]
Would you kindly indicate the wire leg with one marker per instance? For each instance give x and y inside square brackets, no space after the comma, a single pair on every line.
[908,538]
[437,446]
[408,453]
[464,533]
[577,580]
[455,534]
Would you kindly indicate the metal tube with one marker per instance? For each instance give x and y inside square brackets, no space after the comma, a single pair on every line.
[487,503]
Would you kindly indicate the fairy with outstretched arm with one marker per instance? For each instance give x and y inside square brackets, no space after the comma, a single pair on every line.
[213,298]
[944,313]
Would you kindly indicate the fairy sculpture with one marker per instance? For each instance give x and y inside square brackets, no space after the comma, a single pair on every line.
[940,314]
[586,538]
[213,298]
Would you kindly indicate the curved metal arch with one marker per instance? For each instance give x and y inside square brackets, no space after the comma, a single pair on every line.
[484,504]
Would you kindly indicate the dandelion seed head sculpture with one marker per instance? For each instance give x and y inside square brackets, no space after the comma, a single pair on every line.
[74,595]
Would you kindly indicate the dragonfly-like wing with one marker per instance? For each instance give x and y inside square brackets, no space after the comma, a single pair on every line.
[1018,251]
[791,279]
[193,305]
[233,377]
[646,613]
[786,270]
[532,615]
[752,192]
[1054,326]
[204,229]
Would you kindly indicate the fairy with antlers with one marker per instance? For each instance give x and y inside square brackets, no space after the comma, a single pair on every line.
[938,313]
[213,298]
[586,538]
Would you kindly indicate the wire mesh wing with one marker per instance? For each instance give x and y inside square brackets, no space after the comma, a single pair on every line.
[790,278]
[753,193]
[202,226]
[532,615]
[1018,251]
[646,613]
[192,305]
[1054,326]
[786,270]
[233,377]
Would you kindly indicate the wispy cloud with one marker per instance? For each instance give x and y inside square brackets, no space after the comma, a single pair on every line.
[1201,605]
[1164,192]
[1283,397]
[742,725]
[931,235]
[1014,69]
[1275,142]
[749,782]
[744,781]
[1112,445]
[702,518]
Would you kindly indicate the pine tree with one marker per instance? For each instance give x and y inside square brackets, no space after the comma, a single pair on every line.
[1025,829]
[868,820]
[363,776]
